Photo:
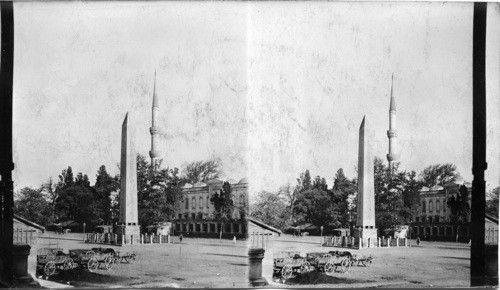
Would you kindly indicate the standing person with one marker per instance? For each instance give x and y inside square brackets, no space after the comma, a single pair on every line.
[418,241]
[234,240]
[180,238]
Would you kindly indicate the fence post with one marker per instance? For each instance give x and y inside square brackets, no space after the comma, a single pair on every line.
[397,242]
[124,242]
[142,239]
[389,242]
[151,237]
[26,236]
[159,237]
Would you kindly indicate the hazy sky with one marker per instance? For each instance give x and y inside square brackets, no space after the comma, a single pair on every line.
[270,88]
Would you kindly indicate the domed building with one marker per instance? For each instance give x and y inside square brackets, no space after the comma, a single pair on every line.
[434,216]
[196,215]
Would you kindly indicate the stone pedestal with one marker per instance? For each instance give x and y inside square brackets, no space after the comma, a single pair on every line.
[255,257]
[129,232]
[21,277]
[366,234]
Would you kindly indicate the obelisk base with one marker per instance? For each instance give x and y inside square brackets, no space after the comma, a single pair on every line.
[128,234]
[366,234]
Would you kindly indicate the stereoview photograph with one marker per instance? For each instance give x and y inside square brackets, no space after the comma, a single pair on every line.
[178,144]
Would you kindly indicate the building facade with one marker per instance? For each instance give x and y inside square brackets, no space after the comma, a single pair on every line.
[433,220]
[196,215]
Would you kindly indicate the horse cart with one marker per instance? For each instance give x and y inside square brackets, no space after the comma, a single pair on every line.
[361,260]
[286,264]
[329,262]
[90,260]
[117,257]
[49,260]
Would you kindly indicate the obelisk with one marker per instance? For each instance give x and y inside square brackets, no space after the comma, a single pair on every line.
[128,220]
[365,223]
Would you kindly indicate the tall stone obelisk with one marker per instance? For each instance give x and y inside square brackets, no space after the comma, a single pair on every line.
[128,220]
[365,223]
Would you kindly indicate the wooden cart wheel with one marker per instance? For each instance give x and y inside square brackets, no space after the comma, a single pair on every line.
[344,266]
[108,262]
[305,267]
[92,264]
[49,268]
[286,272]
[68,264]
[329,268]
[363,262]
[89,255]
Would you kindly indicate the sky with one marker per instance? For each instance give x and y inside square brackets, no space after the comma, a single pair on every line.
[270,88]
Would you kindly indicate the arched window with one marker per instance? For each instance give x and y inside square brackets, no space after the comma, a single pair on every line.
[187,203]
[430,206]
[201,202]
[193,200]
[242,199]
[423,206]
[438,206]
[208,201]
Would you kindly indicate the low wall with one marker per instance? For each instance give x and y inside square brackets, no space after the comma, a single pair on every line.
[114,239]
[359,243]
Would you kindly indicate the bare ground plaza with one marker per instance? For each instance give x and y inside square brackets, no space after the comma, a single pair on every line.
[196,262]
[430,264]
[202,263]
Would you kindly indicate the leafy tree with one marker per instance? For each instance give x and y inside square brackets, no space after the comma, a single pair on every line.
[223,202]
[202,171]
[82,180]
[389,184]
[459,205]
[104,186]
[32,205]
[438,174]
[290,194]
[492,202]
[49,190]
[315,206]
[306,180]
[271,209]
[159,192]
[320,183]
[411,197]
[342,192]
[77,203]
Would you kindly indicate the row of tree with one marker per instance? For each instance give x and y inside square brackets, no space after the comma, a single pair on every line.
[159,193]
[397,198]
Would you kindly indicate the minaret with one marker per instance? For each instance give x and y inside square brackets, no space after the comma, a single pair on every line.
[392,133]
[154,154]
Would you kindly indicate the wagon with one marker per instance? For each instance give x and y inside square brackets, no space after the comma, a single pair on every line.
[286,264]
[48,260]
[86,259]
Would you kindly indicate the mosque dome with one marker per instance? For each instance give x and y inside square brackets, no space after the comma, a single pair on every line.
[243,180]
[187,185]
[215,181]
[436,187]
[232,181]
[222,176]
[199,184]
[458,179]
[425,188]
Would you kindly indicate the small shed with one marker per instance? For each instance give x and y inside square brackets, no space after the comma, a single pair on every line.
[160,228]
[341,232]
[256,226]
[491,230]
